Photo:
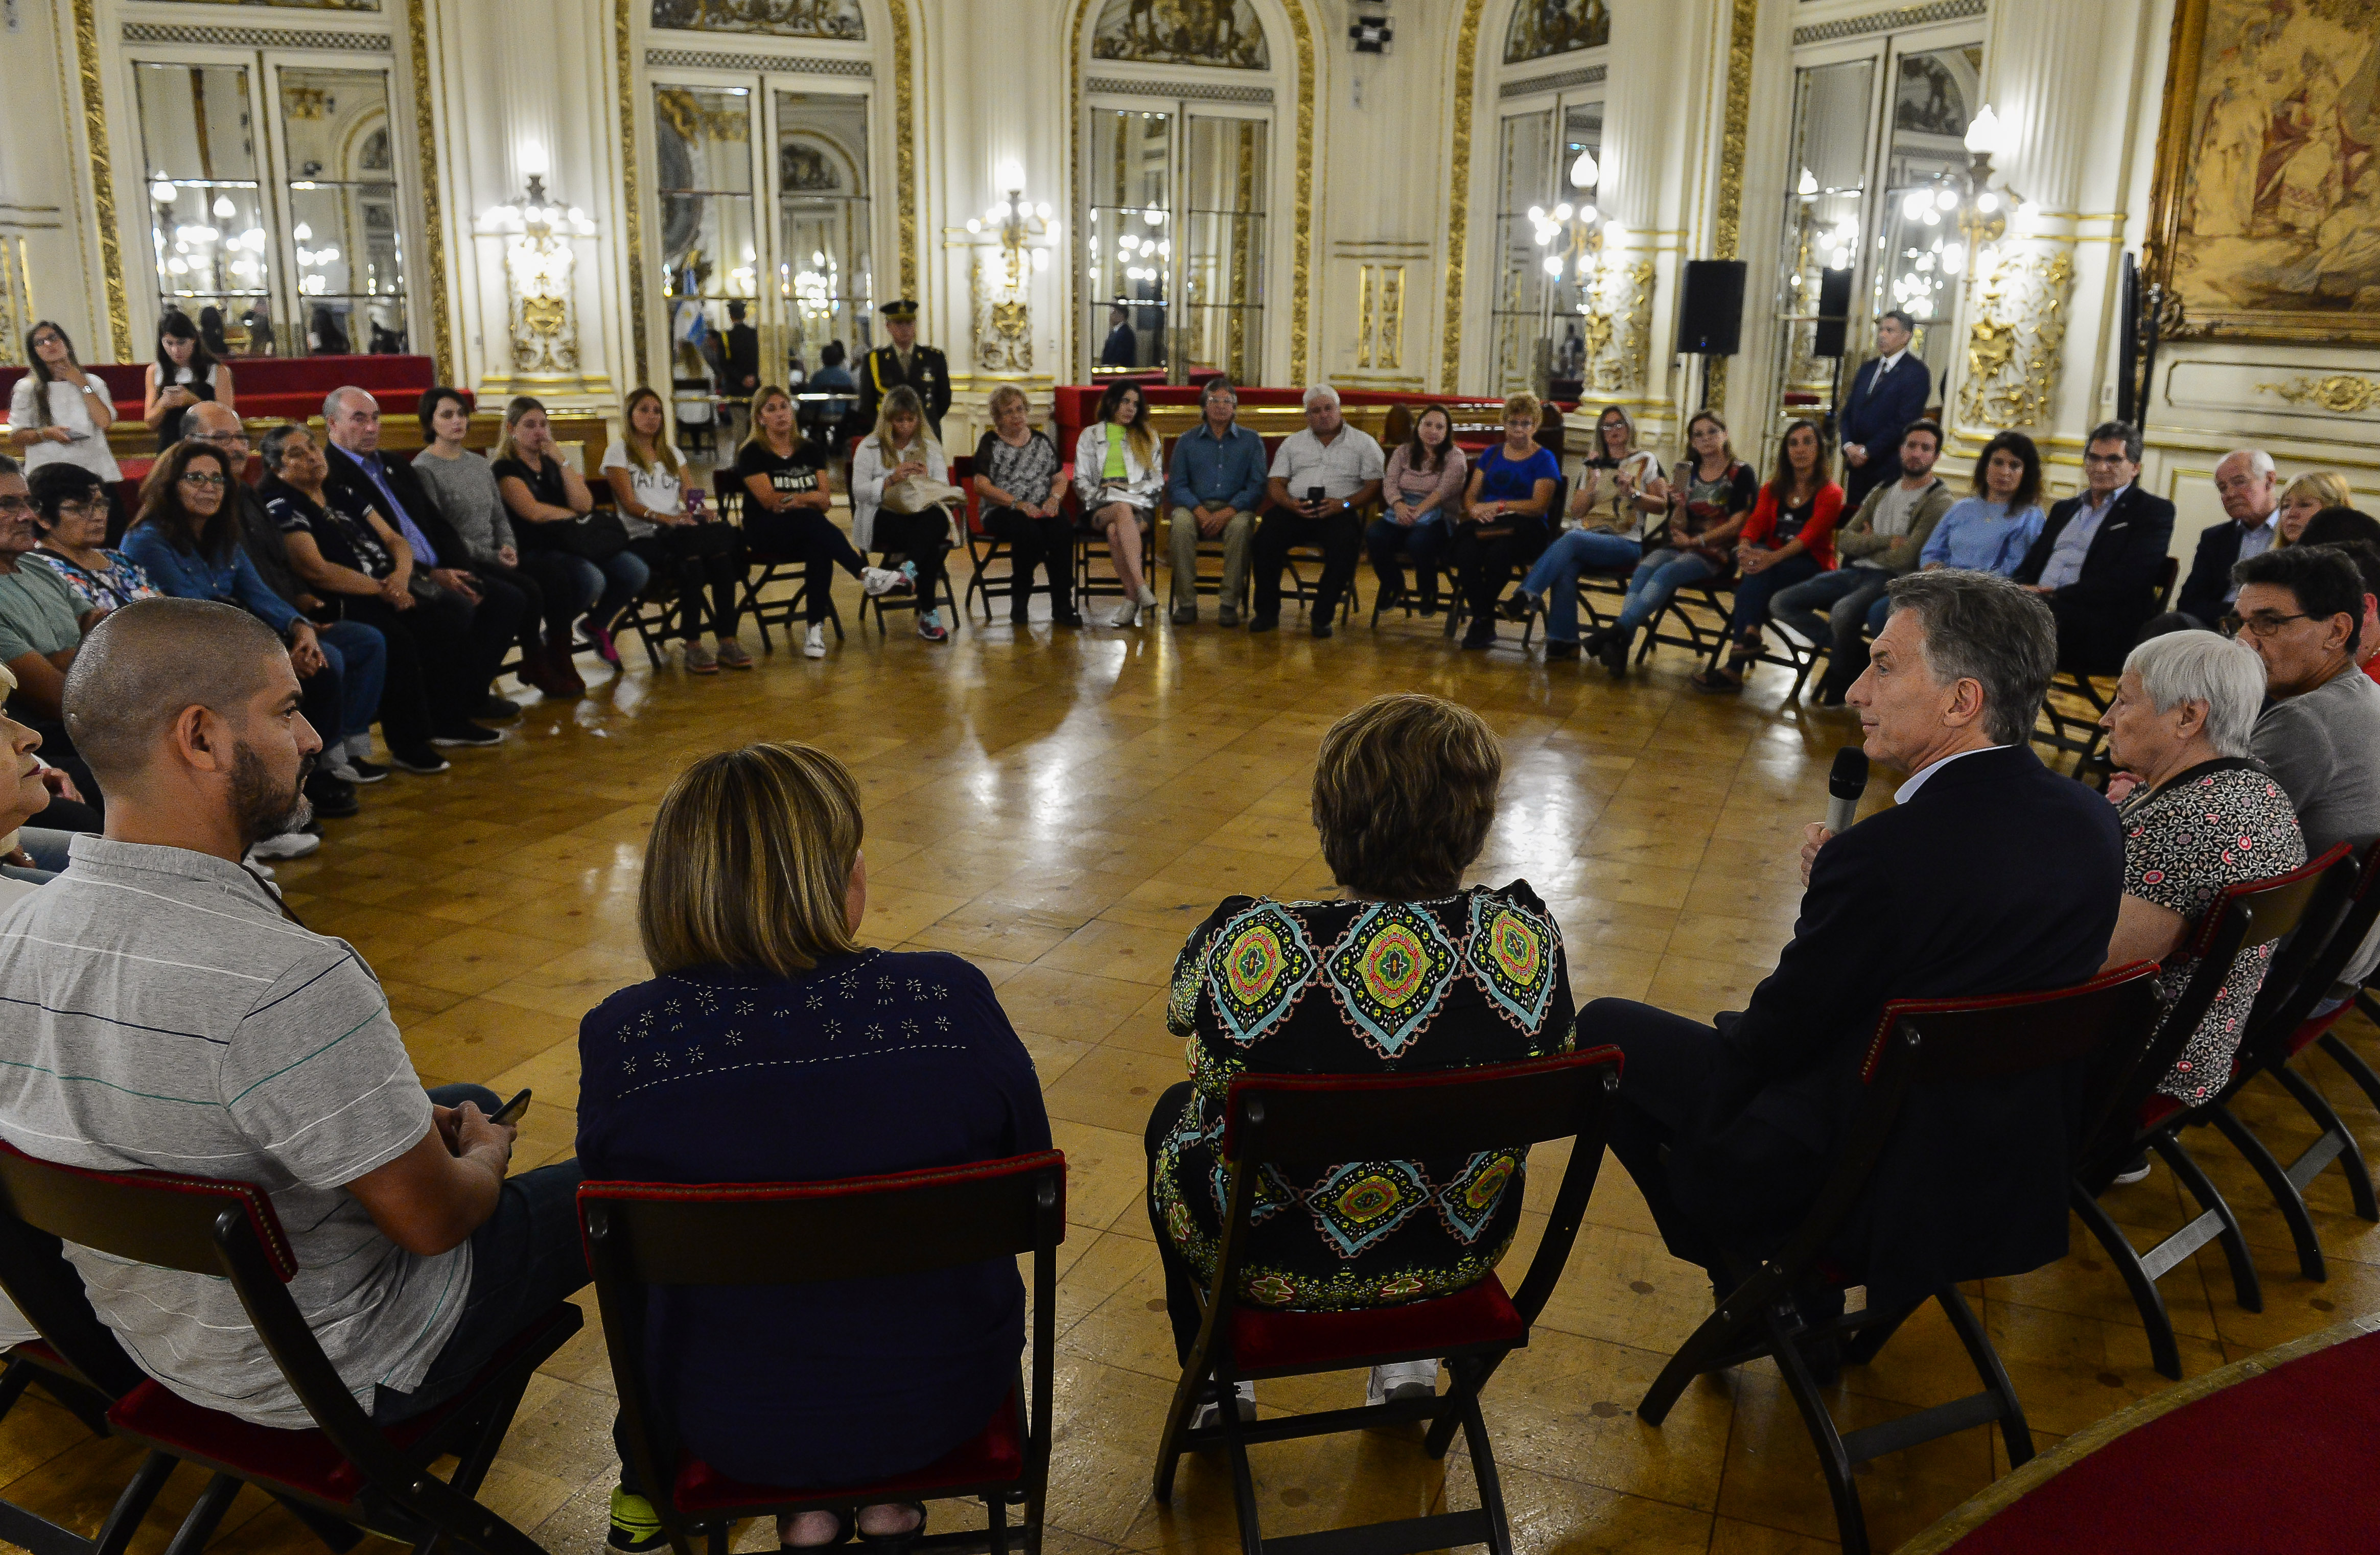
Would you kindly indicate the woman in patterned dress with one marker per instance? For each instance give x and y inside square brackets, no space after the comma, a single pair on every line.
[1408,971]
[2198,818]
[70,513]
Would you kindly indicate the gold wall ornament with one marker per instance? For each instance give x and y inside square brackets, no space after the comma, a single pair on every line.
[2342,394]
[776,18]
[1728,219]
[1004,319]
[2015,339]
[433,220]
[1301,254]
[16,314]
[1618,335]
[1379,317]
[103,178]
[1457,213]
[631,185]
[544,332]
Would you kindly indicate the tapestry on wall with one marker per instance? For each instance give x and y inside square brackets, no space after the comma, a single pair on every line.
[2267,217]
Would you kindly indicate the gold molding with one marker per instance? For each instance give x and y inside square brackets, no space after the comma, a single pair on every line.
[905,144]
[2342,394]
[631,189]
[1458,216]
[1728,219]
[2015,340]
[433,222]
[103,178]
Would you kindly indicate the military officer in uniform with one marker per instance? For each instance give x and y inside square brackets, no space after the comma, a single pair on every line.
[905,361]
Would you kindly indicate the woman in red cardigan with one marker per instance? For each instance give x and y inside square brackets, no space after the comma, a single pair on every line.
[1790,539]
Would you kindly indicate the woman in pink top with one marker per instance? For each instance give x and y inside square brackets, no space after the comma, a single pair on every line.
[1425,479]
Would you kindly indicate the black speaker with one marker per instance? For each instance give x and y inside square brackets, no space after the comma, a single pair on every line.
[1834,312]
[1710,316]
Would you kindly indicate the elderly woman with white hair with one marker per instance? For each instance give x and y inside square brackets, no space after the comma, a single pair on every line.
[2199,816]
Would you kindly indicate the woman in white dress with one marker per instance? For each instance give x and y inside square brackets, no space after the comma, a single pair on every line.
[1119,469]
[60,412]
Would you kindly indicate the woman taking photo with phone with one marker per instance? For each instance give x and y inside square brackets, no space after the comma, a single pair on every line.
[1618,489]
[1118,472]
[184,374]
[901,498]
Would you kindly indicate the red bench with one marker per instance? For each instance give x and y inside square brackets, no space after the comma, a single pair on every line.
[276,388]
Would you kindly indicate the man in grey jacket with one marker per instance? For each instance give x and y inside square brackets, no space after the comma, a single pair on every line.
[1882,542]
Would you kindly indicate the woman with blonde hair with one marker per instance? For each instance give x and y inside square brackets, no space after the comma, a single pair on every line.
[670,533]
[788,489]
[772,1046]
[902,500]
[2306,496]
[554,512]
[1505,514]
[1607,536]
[1119,469]
[1022,485]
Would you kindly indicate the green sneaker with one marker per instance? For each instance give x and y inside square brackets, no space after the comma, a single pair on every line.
[635,1529]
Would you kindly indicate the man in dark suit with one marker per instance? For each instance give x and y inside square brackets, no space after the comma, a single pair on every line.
[2250,493]
[1992,875]
[2100,555]
[904,361]
[497,607]
[1887,393]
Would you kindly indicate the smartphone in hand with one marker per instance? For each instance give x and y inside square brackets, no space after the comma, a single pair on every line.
[510,1113]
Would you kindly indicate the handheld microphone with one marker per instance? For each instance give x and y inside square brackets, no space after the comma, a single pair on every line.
[1844,786]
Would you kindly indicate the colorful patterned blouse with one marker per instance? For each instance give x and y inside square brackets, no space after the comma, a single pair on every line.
[2217,825]
[122,583]
[1359,988]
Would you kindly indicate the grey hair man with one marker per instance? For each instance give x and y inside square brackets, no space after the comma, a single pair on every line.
[1324,479]
[188,1024]
[1214,492]
[2249,490]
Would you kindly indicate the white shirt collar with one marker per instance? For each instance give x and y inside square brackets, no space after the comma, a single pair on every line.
[1885,364]
[1908,791]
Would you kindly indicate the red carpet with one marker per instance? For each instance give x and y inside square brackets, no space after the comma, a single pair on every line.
[2284,1463]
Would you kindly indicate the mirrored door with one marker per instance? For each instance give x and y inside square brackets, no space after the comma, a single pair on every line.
[825,261]
[1825,231]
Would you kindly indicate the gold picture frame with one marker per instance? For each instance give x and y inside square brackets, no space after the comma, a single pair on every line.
[2262,224]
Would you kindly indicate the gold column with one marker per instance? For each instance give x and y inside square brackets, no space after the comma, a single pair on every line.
[103,178]
[905,144]
[631,190]
[1302,256]
[1466,64]
[417,25]
[1729,217]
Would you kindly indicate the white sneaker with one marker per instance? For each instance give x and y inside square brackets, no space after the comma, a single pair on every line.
[1403,1381]
[2136,1172]
[1127,614]
[814,644]
[882,580]
[1148,596]
[259,865]
[290,845]
[1244,1403]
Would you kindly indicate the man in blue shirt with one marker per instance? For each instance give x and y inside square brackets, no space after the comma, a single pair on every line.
[1218,480]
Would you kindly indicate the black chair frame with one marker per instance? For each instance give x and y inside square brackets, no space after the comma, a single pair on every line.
[228,1230]
[765,568]
[1917,1043]
[2257,913]
[1294,1122]
[640,1234]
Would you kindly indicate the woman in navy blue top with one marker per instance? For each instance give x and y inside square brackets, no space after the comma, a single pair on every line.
[1504,516]
[770,1047]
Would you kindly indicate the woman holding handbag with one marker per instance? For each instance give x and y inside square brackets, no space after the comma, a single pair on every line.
[554,513]
[1118,472]
[1711,493]
[901,499]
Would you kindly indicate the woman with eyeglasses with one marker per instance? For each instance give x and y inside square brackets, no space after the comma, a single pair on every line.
[70,512]
[59,412]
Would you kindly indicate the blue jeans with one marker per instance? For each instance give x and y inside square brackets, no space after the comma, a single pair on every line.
[600,590]
[358,656]
[1853,598]
[525,1257]
[1554,578]
[1390,544]
[1752,591]
[1656,578]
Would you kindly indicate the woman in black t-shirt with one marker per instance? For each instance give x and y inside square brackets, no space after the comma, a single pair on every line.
[542,495]
[788,491]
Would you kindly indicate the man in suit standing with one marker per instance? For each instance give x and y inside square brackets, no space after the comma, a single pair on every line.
[1887,393]
[904,361]
[2099,555]
[2250,493]
[742,380]
[1991,875]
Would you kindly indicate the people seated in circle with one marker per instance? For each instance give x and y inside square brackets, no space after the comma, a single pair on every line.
[1882,542]
[70,513]
[772,1046]
[1789,540]
[2308,495]
[901,501]
[549,501]
[1505,515]
[2099,555]
[1119,474]
[672,534]
[1410,971]
[1620,488]
[1020,484]
[1991,529]
[787,490]
[1324,478]
[2199,816]
[185,373]
[1214,493]
[1711,493]
[1423,492]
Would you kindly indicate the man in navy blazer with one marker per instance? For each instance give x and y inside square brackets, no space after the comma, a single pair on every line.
[2251,492]
[1991,876]
[2100,555]
[1887,393]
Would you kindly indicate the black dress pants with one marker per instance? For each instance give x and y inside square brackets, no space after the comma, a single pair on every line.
[428,690]
[700,561]
[502,611]
[540,607]
[806,535]
[921,539]
[1487,557]
[1341,536]
[1046,543]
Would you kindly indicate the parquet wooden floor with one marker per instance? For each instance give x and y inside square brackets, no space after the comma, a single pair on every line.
[1061,809]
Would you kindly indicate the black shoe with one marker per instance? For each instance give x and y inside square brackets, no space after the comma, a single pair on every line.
[1613,651]
[1514,607]
[333,798]
[421,762]
[495,710]
[467,734]
[1558,651]
[1322,625]
[1830,696]
[1067,617]
[1481,634]
[361,771]
[1264,623]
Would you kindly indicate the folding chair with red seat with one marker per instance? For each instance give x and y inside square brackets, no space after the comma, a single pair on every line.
[792,613]
[346,1471]
[1919,1045]
[640,1234]
[984,548]
[2143,1119]
[1296,1125]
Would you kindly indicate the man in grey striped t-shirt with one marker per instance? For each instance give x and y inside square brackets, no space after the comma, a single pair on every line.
[165,1014]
